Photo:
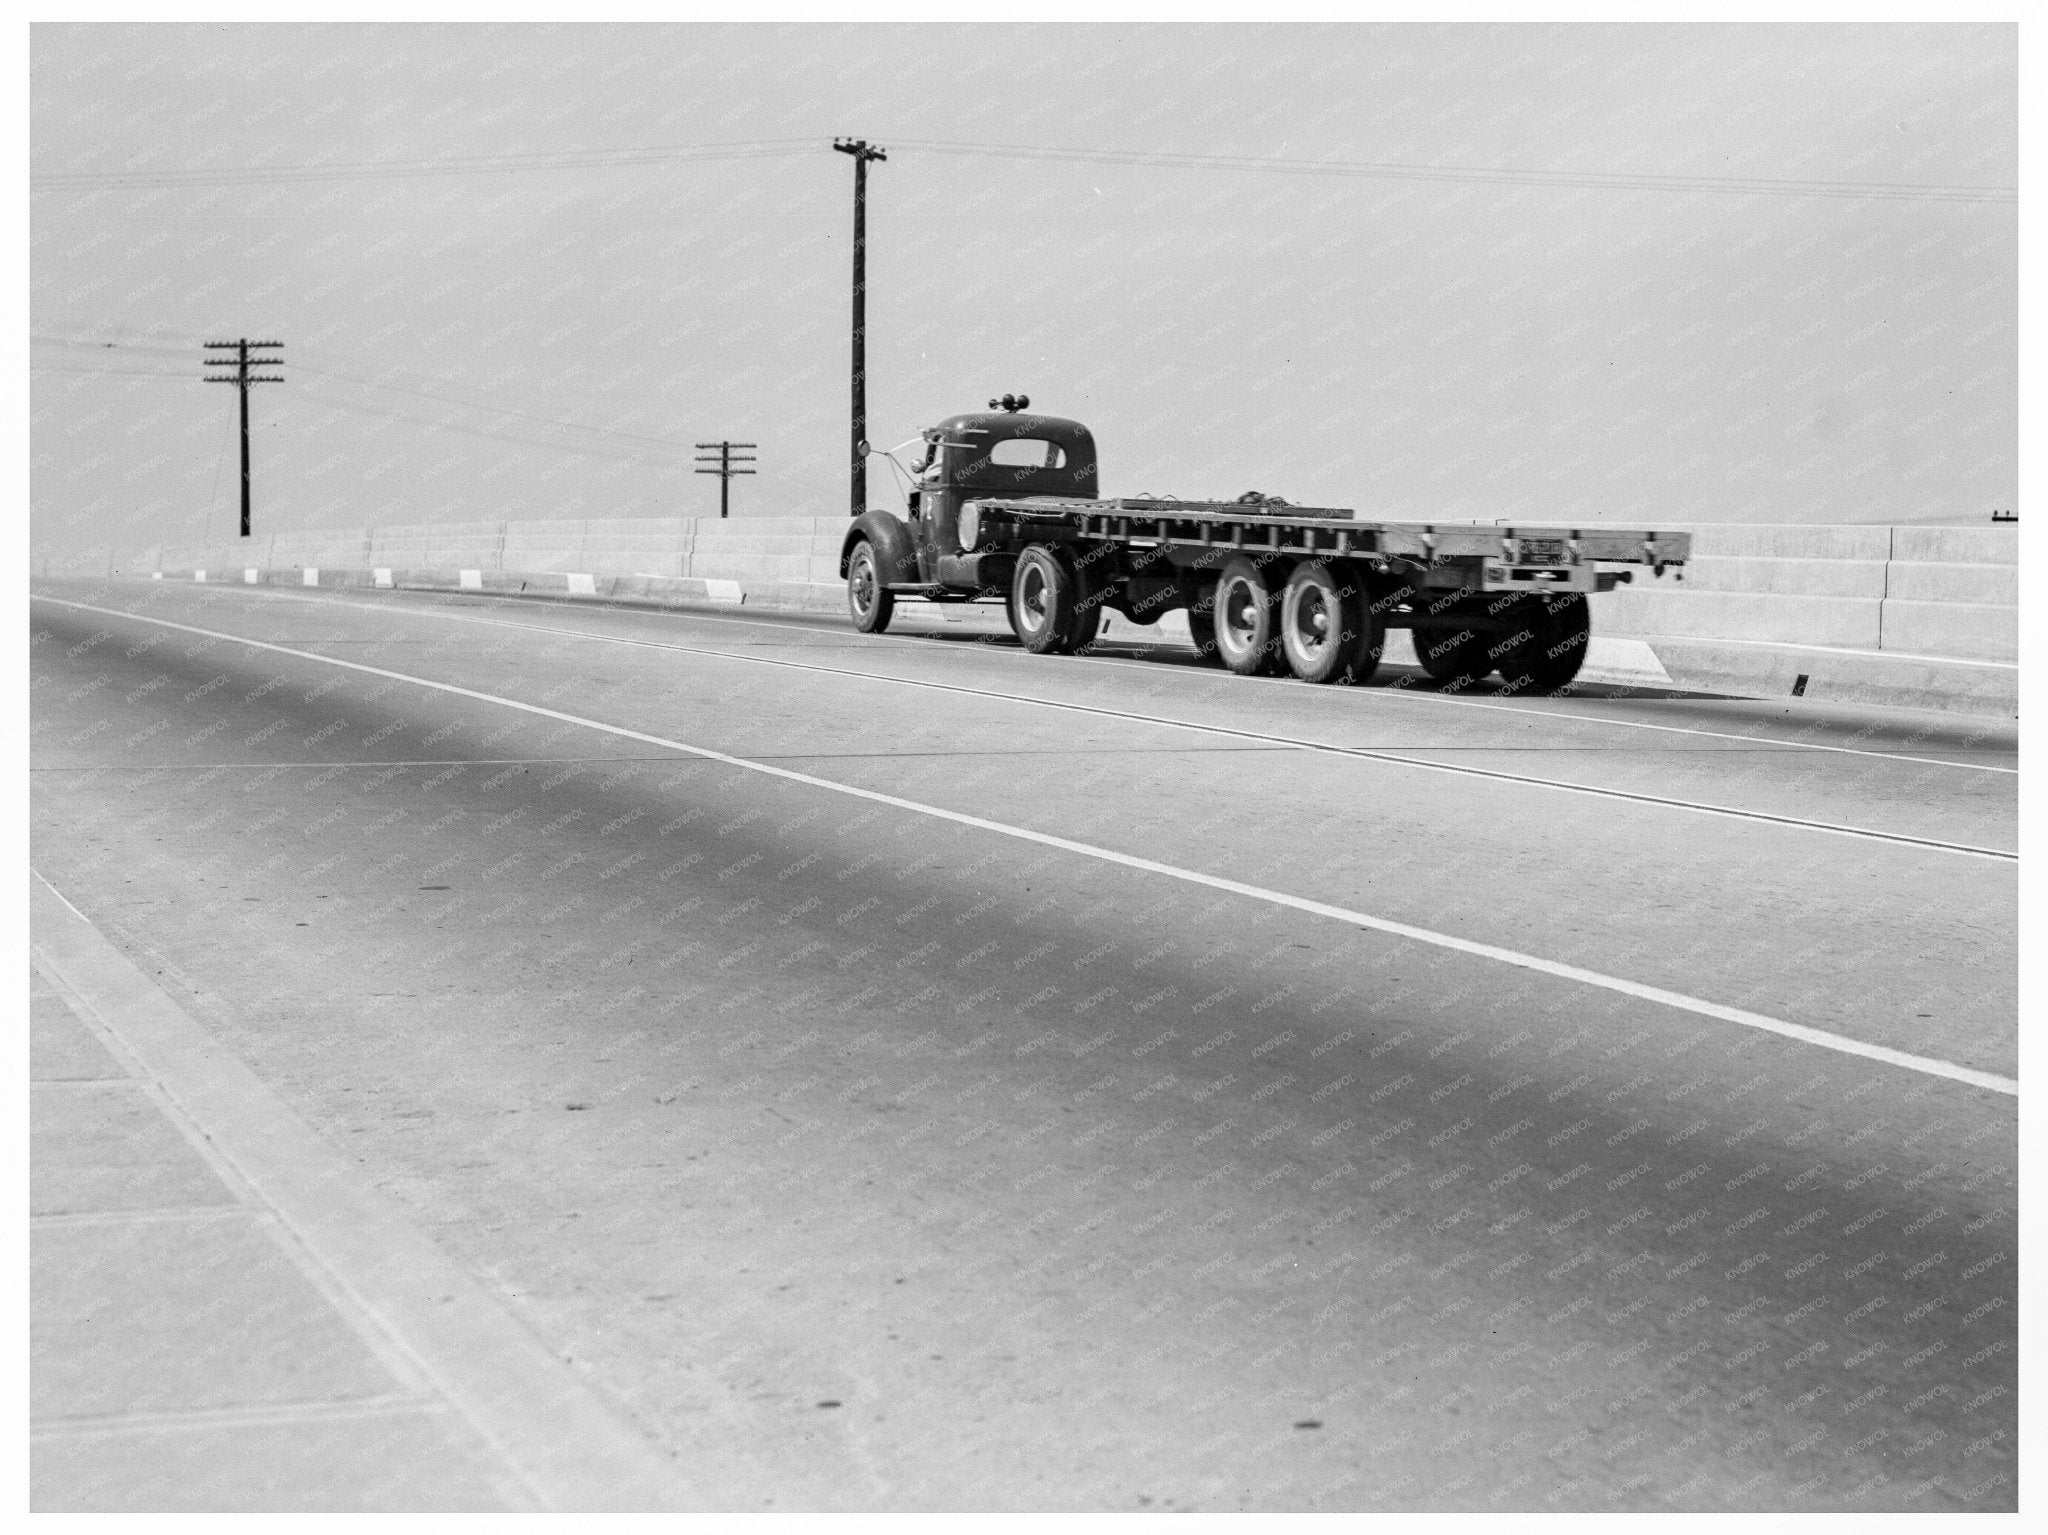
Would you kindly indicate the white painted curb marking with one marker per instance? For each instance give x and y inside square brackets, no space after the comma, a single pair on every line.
[470,580]
[1622,662]
[249,576]
[311,577]
[582,585]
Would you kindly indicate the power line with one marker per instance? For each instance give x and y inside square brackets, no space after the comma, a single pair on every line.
[389,413]
[488,408]
[448,165]
[51,367]
[481,406]
[465,165]
[178,349]
[1617,181]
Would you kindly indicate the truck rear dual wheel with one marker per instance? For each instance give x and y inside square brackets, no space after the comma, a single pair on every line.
[1247,619]
[1328,631]
[871,603]
[1560,629]
[1454,658]
[1050,608]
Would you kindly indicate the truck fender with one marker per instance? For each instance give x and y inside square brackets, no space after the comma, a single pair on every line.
[895,550]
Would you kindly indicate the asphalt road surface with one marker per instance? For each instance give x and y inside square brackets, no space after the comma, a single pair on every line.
[904,1072]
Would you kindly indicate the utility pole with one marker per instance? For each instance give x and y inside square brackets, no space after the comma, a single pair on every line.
[862,153]
[725,458]
[248,355]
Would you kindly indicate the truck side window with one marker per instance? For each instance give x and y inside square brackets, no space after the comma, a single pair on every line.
[1027,453]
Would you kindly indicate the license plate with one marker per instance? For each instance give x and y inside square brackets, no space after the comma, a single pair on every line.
[1541,551]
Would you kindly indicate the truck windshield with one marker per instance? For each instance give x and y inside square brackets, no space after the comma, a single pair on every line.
[1027,453]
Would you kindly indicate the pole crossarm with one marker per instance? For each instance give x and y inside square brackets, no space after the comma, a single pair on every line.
[726,462]
[241,364]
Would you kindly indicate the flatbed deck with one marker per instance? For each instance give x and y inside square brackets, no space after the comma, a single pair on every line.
[1339,531]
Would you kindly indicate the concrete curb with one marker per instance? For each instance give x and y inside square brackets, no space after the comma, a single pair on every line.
[571,1451]
[1763,670]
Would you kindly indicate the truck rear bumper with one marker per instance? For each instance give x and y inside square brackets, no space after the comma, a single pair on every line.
[1528,578]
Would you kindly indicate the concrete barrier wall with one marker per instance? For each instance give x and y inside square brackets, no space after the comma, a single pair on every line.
[1941,592]
[1937,592]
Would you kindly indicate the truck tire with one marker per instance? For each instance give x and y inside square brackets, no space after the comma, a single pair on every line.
[871,603]
[1246,616]
[1561,629]
[1091,600]
[1323,622]
[1454,658]
[1199,599]
[1045,601]
[1384,597]
[1369,643]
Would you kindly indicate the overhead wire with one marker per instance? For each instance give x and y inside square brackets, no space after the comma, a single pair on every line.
[301,367]
[591,450]
[448,165]
[464,165]
[51,367]
[1618,180]
[489,408]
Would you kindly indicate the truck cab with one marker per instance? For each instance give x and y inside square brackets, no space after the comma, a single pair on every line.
[1001,452]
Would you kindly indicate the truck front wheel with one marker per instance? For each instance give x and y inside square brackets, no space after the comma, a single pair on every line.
[1247,631]
[1560,631]
[1045,601]
[870,602]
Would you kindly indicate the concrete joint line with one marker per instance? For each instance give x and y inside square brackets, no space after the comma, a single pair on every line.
[1294,743]
[565,1448]
[99,1426]
[1656,994]
[437,603]
[166,1215]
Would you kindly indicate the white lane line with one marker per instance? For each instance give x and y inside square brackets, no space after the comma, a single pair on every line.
[1657,994]
[194,767]
[1565,786]
[1225,679]
[809,622]
[1453,701]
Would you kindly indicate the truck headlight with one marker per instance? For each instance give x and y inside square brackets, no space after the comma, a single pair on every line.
[970,526]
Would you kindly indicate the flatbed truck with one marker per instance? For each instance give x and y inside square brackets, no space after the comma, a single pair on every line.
[1005,507]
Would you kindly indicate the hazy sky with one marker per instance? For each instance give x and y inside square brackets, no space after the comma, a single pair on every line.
[1718,287]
